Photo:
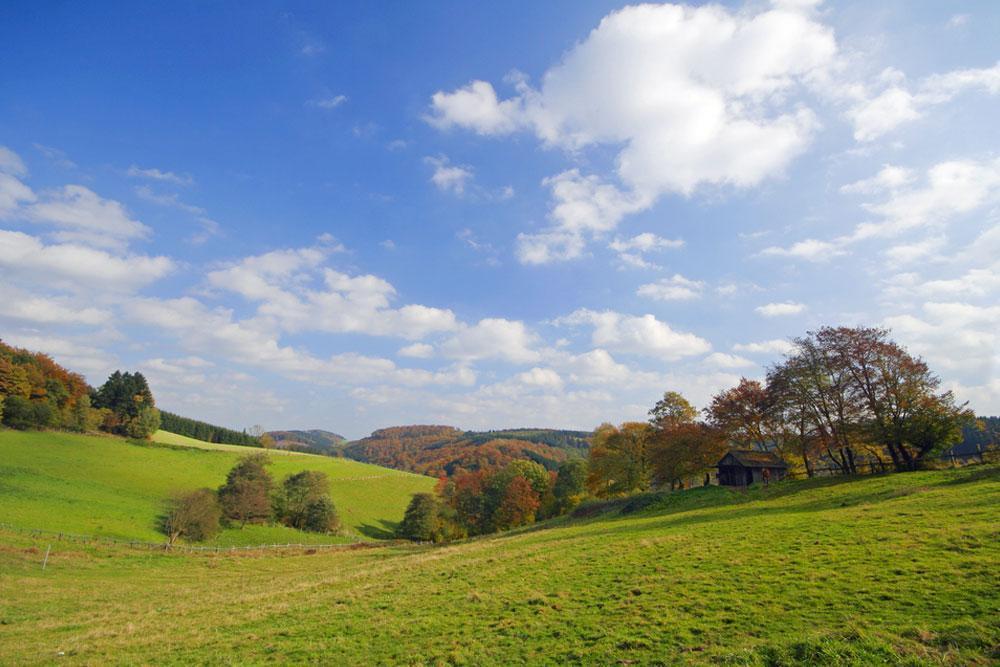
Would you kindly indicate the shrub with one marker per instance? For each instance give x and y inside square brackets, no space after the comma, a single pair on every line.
[304,502]
[19,413]
[194,516]
[144,424]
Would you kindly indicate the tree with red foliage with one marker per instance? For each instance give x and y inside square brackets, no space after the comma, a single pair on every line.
[518,505]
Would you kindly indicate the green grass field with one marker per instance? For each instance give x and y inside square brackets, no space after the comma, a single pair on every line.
[110,487]
[899,569]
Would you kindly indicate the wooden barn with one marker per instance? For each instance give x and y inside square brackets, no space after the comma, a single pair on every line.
[743,467]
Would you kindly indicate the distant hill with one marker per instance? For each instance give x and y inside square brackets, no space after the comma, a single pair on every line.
[445,450]
[316,441]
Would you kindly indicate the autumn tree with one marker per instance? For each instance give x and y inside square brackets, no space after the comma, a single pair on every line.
[619,460]
[684,451]
[245,497]
[671,410]
[518,505]
[194,516]
[746,415]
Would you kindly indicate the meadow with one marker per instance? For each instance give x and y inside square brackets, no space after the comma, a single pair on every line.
[895,569]
[111,487]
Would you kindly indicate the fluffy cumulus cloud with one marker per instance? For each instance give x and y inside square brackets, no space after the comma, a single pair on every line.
[644,334]
[675,288]
[297,291]
[77,267]
[493,338]
[694,96]
[448,177]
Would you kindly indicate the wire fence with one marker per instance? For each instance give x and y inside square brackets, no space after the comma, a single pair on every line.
[188,548]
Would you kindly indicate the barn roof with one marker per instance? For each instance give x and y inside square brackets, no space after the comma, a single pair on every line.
[753,459]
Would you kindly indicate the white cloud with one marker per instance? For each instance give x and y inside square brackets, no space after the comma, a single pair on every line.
[890,177]
[164,176]
[676,288]
[645,242]
[907,253]
[11,163]
[493,338]
[283,282]
[874,115]
[643,334]
[541,378]
[23,306]
[812,250]
[695,96]
[950,190]
[329,102]
[417,351]
[85,217]
[12,194]
[723,360]
[780,309]
[958,20]
[774,346]
[448,177]
[77,267]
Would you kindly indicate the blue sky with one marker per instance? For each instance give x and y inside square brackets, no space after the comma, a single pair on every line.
[323,216]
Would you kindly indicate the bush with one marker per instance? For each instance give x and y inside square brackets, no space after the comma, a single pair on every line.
[144,424]
[194,516]
[22,414]
[304,502]
[321,516]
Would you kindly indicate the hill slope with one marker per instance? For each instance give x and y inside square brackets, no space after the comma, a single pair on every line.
[107,486]
[315,440]
[444,450]
[881,570]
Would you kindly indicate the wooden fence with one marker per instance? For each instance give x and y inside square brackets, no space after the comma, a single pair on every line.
[186,548]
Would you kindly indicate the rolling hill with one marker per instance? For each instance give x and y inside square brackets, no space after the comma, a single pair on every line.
[445,450]
[316,441]
[111,487]
[893,569]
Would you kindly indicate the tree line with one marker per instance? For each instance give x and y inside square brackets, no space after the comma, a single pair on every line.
[843,400]
[200,430]
[36,392]
[250,495]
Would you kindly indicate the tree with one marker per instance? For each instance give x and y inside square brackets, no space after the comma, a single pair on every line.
[746,415]
[245,497]
[126,395]
[671,410]
[684,451]
[18,412]
[304,502]
[619,462]
[570,486]
[193,516]
[321,516]
[421,522]
[517,506]
[144,424]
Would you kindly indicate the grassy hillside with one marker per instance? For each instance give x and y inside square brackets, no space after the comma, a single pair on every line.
[107,486]
[900,569]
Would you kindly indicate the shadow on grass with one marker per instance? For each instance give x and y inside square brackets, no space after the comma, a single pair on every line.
[386,531]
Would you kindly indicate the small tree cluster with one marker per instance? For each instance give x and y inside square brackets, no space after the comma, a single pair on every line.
[304,502]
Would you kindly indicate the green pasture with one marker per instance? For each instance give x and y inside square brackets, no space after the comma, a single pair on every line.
[897,569]
[111,487]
